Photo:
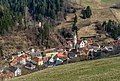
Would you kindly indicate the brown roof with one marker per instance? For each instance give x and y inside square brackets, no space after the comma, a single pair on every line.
[90,41]
[7,75]
[36,59]
[86,50]
[79,41]
[95,44]
[14,61]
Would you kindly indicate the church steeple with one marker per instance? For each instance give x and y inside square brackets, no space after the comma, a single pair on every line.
[75,40]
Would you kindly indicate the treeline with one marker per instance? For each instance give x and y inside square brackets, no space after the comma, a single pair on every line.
[6,20]
[38,8]
[13,11]
[87,12]
[112,27]
[45,8]
[43,35]
[17,7]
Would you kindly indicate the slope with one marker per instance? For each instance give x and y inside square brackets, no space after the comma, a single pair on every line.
[97,70]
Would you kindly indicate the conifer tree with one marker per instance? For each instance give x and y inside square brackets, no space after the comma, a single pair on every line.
[84,14]
[88,12]
[75,19]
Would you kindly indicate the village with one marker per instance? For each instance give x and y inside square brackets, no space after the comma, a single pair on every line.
[76,50]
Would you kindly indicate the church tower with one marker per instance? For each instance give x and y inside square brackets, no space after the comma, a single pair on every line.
[75,41]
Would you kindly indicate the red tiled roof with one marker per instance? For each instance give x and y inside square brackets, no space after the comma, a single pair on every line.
[14,61]
[24,56]
[79,41]
[6,75]
[61,55]
[90,41]
[85,50]
[37,59]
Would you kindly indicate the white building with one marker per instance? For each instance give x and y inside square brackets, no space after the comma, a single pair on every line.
[75,41]
[82,44]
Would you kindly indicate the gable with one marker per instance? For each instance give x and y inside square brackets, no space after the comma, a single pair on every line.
[82,43]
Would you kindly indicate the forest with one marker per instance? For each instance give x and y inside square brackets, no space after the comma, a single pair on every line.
[12,11]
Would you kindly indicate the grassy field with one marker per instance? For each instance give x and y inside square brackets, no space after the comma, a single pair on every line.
[97,4]
[94,4]
[102,15]
[110,2]
[116,13]
[97,70]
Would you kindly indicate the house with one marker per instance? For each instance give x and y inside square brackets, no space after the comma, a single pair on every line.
[51,53]
[108,47]
[95,46]
[76,51]
[37,54]
[51,60]
[26,56]
[51,50]
[30,66]
[6,76]
[32,50]
[22,60]
[62,56]
[13,62]
[70,44]
[58,61]
[89,41]
[75,43]
[15,70]
[84,51]
[82,44]
[37,60]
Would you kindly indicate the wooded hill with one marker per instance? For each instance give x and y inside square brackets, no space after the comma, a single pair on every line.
[39,9]
[14,15]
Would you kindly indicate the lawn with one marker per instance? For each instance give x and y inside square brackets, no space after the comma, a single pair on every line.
[97,4]
[94,4]
[102,15]
[110,1]
[107,69]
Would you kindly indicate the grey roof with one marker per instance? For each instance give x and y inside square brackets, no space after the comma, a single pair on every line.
[12,68]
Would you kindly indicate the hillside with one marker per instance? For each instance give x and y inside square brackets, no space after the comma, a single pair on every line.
[101,11]
[97,70]
[22,39]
